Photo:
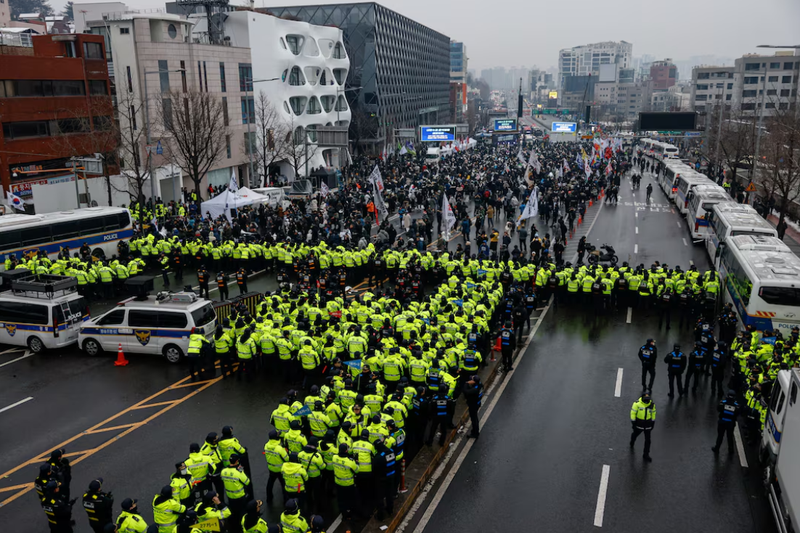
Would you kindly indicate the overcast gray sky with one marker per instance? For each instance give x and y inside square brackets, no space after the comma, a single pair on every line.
[517,33]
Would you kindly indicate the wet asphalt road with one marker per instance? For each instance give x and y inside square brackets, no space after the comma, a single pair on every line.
[539,461]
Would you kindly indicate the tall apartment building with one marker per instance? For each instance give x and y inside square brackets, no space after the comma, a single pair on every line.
[153,55]
[400,69]
[55,104]
[755,82]
[586,59]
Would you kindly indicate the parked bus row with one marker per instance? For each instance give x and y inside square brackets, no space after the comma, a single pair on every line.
[760,274]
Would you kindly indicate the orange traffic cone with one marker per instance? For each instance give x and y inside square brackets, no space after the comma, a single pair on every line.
[590,203]
[121,361]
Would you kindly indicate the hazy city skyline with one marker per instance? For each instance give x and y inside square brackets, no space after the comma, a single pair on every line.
[528,35]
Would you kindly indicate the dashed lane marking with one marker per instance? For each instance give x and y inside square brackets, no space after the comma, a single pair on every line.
[630,314]
[618,386]
[13,405]
[637,230]
[636,248]
[684,242]
[600,509]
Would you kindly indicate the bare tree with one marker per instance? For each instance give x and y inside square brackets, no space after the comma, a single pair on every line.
[298,149]
[194,122]
[779,167]
[89,130]
[736,139]
[132,134]
[271,140]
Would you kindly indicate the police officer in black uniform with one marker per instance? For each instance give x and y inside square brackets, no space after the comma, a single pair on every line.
[222,285]
[519,314]
[719,359]
[203,278]
[62,470]
[98,506]
[695,367]
[57,508]
[473,394]
[440,414]
[507,345]
[676,364]
[728,413]
[648,354]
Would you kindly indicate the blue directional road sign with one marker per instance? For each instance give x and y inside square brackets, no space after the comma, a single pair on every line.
[159,148]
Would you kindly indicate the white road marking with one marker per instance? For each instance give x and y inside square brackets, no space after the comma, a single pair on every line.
[464,452]
[637,214]
[636,248]
[691,262]
[637,230]
[737,436]
[336,523]
[28,353]
[11,350]
[684,242]
[630,314]
[678,223]
[13,405]
[601,497]
[618,387]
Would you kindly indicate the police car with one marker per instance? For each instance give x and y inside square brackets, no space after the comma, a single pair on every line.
[158,324]
[43,312]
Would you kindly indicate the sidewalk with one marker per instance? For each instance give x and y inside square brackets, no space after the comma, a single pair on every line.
[792,236]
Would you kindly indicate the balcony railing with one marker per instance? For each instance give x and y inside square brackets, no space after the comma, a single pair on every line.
[16,39]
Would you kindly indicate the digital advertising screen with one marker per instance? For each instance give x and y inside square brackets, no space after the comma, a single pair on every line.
[563,127]
[505,124]
[437,133]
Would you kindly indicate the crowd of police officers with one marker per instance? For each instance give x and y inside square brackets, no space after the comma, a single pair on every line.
[382,372]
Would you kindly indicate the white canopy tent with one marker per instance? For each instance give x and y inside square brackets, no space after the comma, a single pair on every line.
[227,200]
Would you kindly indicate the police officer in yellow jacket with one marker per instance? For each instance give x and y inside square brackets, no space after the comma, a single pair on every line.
[209,509]
[167,510]
[238,491]
[643,418]
[195,357]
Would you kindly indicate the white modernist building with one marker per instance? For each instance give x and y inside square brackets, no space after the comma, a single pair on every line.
[311,67]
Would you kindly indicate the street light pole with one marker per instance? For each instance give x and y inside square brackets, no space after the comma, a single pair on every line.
[761,105]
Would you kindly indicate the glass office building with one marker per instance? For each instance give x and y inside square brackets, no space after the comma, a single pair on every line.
[399,69]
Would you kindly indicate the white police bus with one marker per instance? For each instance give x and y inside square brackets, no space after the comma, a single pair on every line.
[685,183]
[701,199]
[761,277]
[726,220]
[99,227]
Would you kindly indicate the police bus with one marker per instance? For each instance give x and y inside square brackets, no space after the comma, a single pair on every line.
[684,184]
[99,227]
[701,199]
[726,220]
[668,179]
[761,277]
